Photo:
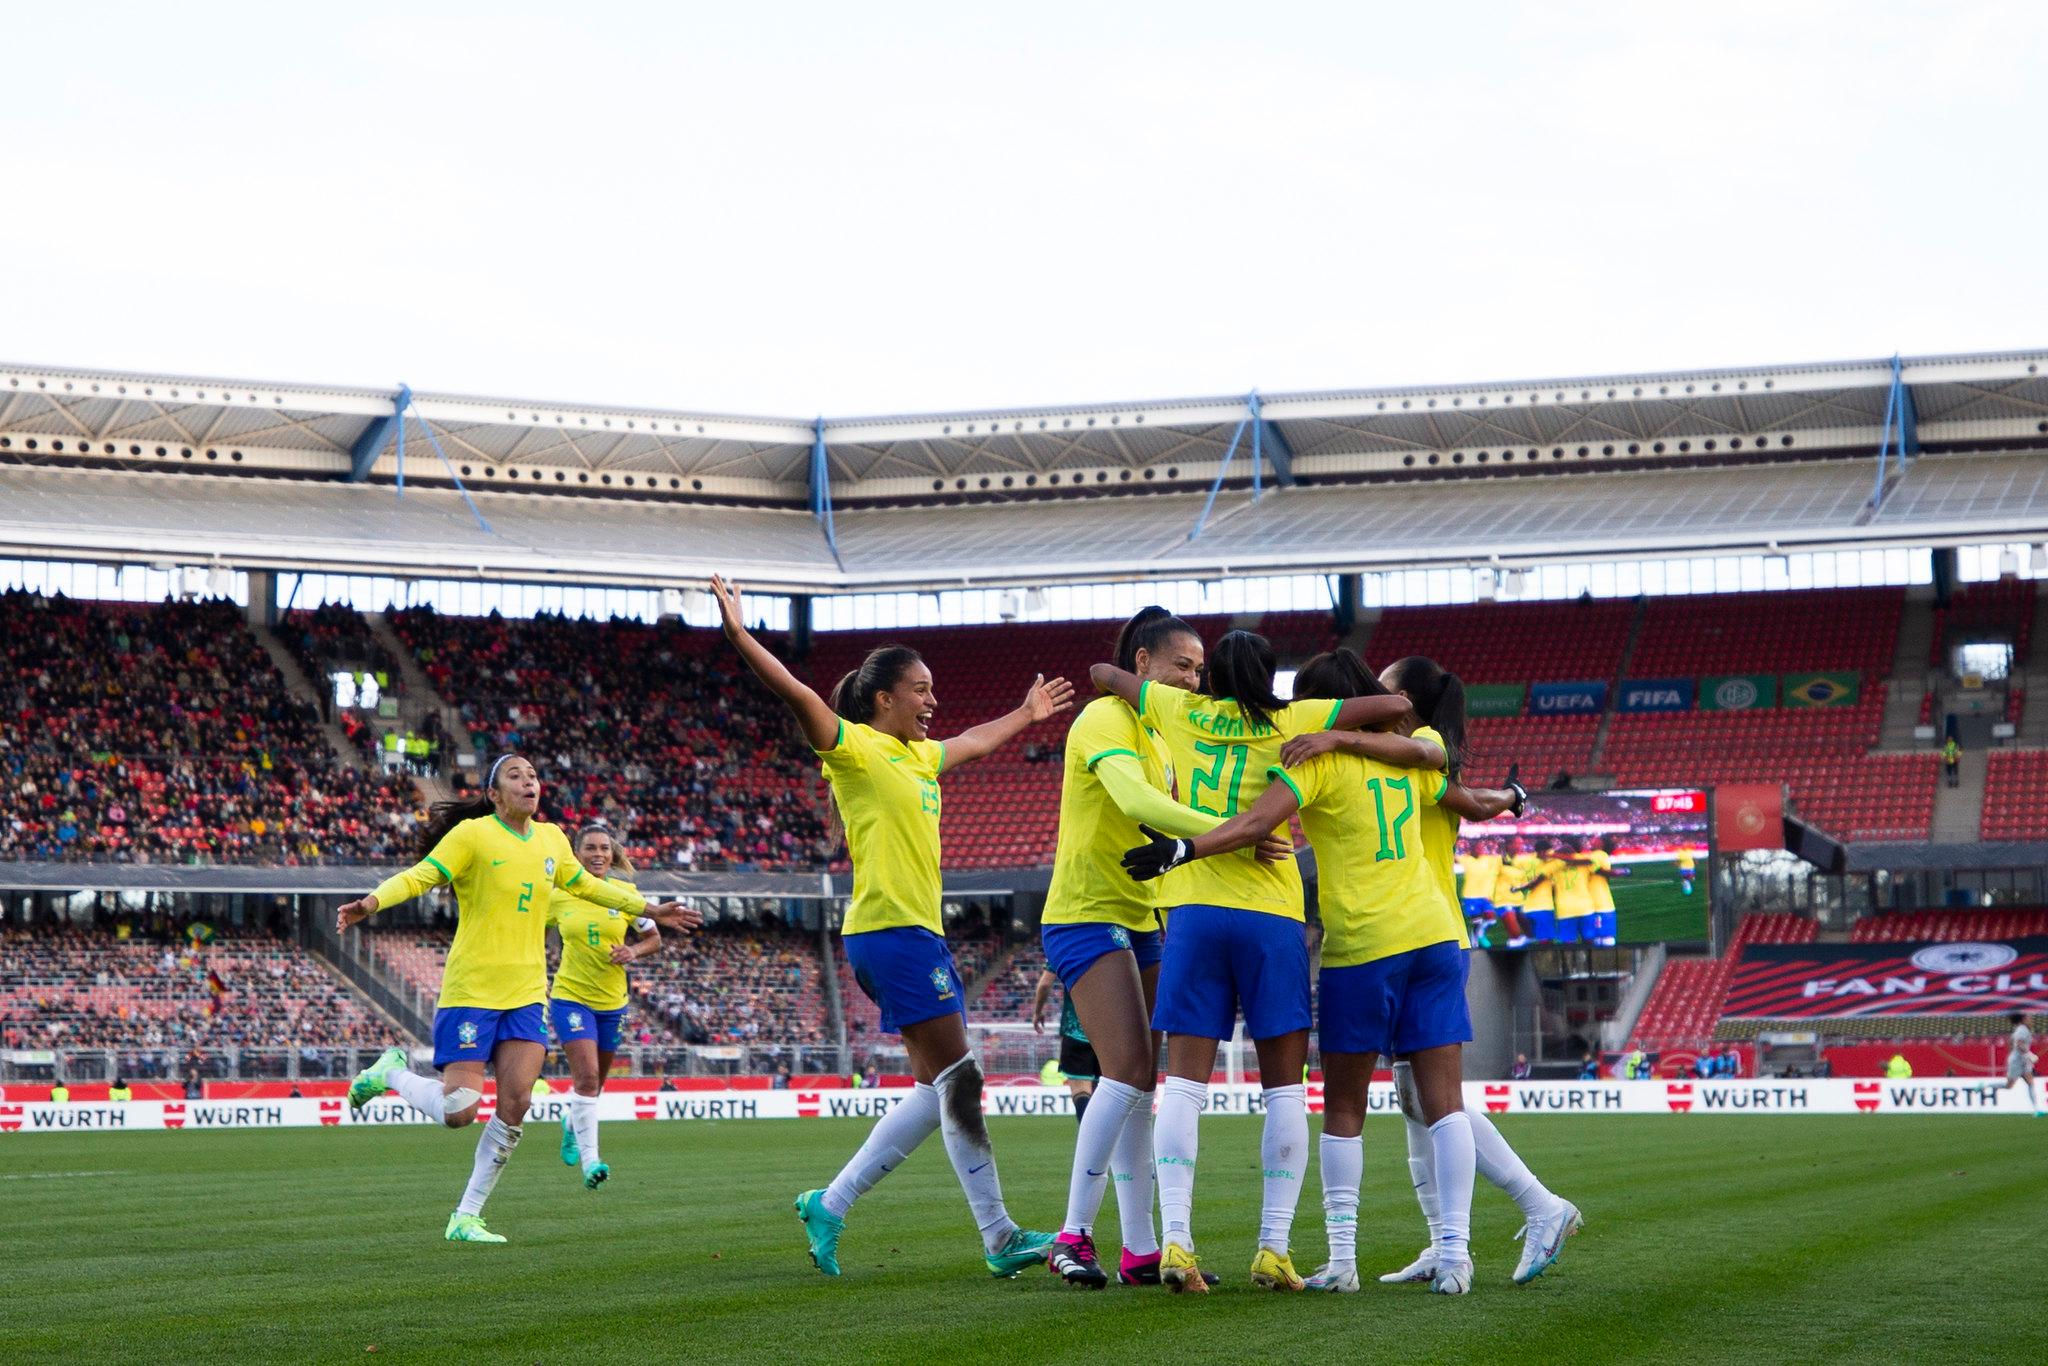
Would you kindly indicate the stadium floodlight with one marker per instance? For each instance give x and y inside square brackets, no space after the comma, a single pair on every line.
[1035,602]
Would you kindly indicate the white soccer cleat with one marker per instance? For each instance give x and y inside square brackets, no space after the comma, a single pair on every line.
[1339,1278]
[1454,1278]
[1543,1240]
[1423,1268]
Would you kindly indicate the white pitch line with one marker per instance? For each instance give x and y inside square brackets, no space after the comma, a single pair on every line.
[53,1176]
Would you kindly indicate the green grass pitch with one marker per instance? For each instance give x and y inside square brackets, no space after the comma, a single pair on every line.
[1651,908]
[1708,1239]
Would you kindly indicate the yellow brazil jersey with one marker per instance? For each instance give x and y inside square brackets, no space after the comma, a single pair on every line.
[587,974]
[1598,861]
[1378,892]
[1574,884]
[503,884]
[1685,861]
[887,792]
[1224,764]
[1482,871]
[1089,884]
[1440,846]
[1513,874]
[1541,871]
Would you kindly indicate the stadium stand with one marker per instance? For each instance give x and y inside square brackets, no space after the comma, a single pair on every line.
[1996,922]
[2000,609]
[647,726]
[1751,633]
[68,987]
[1686,1002]
[1509,642]
[222,765]
[2015,795]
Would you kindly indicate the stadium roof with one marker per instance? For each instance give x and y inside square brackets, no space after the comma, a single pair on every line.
[125,467]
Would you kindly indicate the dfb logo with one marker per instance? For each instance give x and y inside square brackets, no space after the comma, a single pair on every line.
[10,1118]
[1498,1098]
[1869,1095]
[330,1112]
[807,1104]
[1678,1095]
[174,1115]
[643,1107]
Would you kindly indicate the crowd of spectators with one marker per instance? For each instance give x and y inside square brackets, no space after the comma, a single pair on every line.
[163,734]
[69,987]
[650,727]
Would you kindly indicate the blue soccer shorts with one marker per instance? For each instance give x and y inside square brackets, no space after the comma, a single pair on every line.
[907,971]
[1220,960]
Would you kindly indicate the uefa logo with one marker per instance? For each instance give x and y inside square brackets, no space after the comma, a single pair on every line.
[1735,694]
[1964,957]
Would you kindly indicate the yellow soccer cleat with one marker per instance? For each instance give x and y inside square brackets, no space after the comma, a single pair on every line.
[1275,1271]
[1181,1271]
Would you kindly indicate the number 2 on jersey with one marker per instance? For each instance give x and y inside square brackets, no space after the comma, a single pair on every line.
[1211,776]
[1399,848]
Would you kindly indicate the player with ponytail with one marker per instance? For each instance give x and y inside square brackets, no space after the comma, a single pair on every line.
[875,744]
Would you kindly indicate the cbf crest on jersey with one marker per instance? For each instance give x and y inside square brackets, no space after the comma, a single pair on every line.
[1119,937]
[466,1033]
[575,1019]
[942,981]
[549,868]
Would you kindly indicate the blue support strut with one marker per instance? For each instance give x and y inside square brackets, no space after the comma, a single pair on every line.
[375,437]
[821,489]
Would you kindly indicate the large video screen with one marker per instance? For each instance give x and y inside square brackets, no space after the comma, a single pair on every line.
[1600,868]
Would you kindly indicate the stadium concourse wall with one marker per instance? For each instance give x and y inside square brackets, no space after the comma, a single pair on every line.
[1684,1098]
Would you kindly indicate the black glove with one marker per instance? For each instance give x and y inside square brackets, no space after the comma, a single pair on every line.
[1155,857]
[1521,796]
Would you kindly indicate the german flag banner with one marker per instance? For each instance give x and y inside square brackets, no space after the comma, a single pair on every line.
[1823,690]
[1820,981]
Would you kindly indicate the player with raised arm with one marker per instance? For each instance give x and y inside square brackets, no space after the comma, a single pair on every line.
[1438,697]
[2019,1060]
[1236,938]
[588,1000]
[505,865]
[875,743]
[1103,943]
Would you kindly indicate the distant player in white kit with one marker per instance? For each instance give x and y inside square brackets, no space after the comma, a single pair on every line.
[2019,1060]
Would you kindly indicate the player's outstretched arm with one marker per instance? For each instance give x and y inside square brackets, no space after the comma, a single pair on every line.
[1044,701]
[429,873]
[1108,678]
[1354,712]
[1250,826]
[637,947]
[819,722]
[1401,751]
[1484,803]
[1123,779]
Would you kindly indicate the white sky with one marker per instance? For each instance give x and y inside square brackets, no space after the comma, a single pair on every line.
[886,207]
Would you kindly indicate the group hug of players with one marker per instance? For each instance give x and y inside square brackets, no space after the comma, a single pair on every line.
[1176,906]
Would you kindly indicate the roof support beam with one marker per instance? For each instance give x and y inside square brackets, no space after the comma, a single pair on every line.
[1262,431]
[1273,444]
[1901,420]
[821,489]
[375,437]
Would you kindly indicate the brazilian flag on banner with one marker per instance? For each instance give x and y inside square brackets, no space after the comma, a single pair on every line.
[1494,699]
[1823,690]
[1738,692]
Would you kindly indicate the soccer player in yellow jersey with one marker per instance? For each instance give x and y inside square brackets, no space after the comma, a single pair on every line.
[1535,879]
[1573,880]
[1237,938]
[1438,697]
[1600,872]
[1477,874]
[1103,943]
[587,1003]
[1687,867]
[505,865]
[883,766]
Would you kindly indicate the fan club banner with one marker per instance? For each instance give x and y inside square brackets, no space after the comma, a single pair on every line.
[1834,1096]
[1815,981]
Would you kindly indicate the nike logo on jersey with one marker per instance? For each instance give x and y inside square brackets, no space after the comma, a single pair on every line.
[895,758]
[496,861]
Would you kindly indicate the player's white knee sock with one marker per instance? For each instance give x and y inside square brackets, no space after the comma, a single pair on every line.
[894,1137]
[1451,1140]
[974,1160]
[1500,1164]
[1343,1166]
[493,1150]
[583,1120]
[1283,1154]
[1131,1165]
[421,1093]
[1174,1142]
[1101,1127]
[1422,1171]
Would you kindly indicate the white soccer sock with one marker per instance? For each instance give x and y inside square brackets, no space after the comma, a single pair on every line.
[974,1159]
[421,1093]
[1101,1127]
[583,1120]
[1422,1171]
[1451,1139]
[493,1150]
[1175,1139]
[1500,1164]
[1131,1165]
[894,1137]
[1343,1166]
[1283,1155]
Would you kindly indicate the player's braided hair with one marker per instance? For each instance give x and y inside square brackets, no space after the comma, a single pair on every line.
[1241,671]
[1148,630]
[853,696]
